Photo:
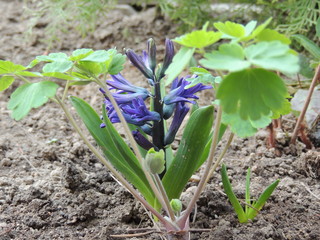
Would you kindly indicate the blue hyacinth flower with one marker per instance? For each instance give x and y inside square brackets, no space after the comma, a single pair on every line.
[178,93]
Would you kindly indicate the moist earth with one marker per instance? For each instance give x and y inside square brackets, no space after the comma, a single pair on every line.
[52,187]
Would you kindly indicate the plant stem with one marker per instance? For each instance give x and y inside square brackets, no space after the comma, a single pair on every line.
[306,104]
[134,145]
[65,91]
[217,163]
[165,197]
[117,175]
[205,175]
[158,128]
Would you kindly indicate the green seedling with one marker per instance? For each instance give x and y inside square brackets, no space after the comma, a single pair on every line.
[252,208]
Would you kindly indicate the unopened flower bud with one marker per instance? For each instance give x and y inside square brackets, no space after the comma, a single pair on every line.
[152,54]
[176,206]
[154,161]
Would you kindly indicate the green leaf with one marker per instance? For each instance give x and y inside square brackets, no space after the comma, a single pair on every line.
[58,66]
[80,54]
[80,83]
[252,213]
[247,195]
[198,39]
[59,75]
[231,196]
[203,76]
[53,57]
[179,62]
[231,30]
[98,56]
[244,128]
[286,109]
[269,35]
[252,92]
[189,152]
[273,55]
[9,67]
[28,74]
[230,56]
[5,82]
[114,148]
[310,46]
[258,30]
[30,95]
[116,64]
[89,68]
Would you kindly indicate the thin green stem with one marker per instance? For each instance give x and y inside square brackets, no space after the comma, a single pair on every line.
[65,91]
[165,197]
[117,175]
[204,177]
[217,163]
[23,78]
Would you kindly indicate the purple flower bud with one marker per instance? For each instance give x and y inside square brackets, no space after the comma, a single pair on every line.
[169,53]
[142,141]
[141,63]
[180,113]
[152,54]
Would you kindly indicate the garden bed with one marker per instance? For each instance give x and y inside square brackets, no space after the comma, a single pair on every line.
[52,187]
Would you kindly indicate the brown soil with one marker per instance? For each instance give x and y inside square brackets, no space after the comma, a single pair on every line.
[52,187]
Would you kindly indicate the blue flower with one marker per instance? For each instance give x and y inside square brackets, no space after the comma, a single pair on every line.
[169,53]
[180,112]
[126,91]
[135,112]
[178,93]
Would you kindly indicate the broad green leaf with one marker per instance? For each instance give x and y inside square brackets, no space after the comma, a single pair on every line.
[98,56]
[30,95]
[198,39]
[231,196]
[53,57]
[59,75]
[192,144]
[5,82]
[273,55]
[9,67]
[79,83]
[89,68]
[240,127]
[250,27]
[231,30]
[116,64]
[230,56]
[58,66]
[179,62]
[80,54]
[305,68]
[252,92]
[269,35]
[252,213]
[310,46]
[286,109]
[114,148]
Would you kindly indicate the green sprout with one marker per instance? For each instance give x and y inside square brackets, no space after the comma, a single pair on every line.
[252,208]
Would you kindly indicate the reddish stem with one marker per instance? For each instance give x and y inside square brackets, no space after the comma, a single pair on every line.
[305,107]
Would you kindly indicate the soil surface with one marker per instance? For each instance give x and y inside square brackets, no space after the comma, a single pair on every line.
[52,187]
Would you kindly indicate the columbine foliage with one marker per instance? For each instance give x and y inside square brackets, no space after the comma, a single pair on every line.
[248,95]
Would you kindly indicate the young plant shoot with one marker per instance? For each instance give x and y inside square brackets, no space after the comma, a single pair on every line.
[249,94]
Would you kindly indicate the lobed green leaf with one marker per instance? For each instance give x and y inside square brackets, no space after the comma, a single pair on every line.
[252,93]
[9,67]
[229,57]
[30,95]
[198,39]
[5,82]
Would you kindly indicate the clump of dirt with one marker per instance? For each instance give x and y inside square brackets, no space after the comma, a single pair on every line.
[52,187]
